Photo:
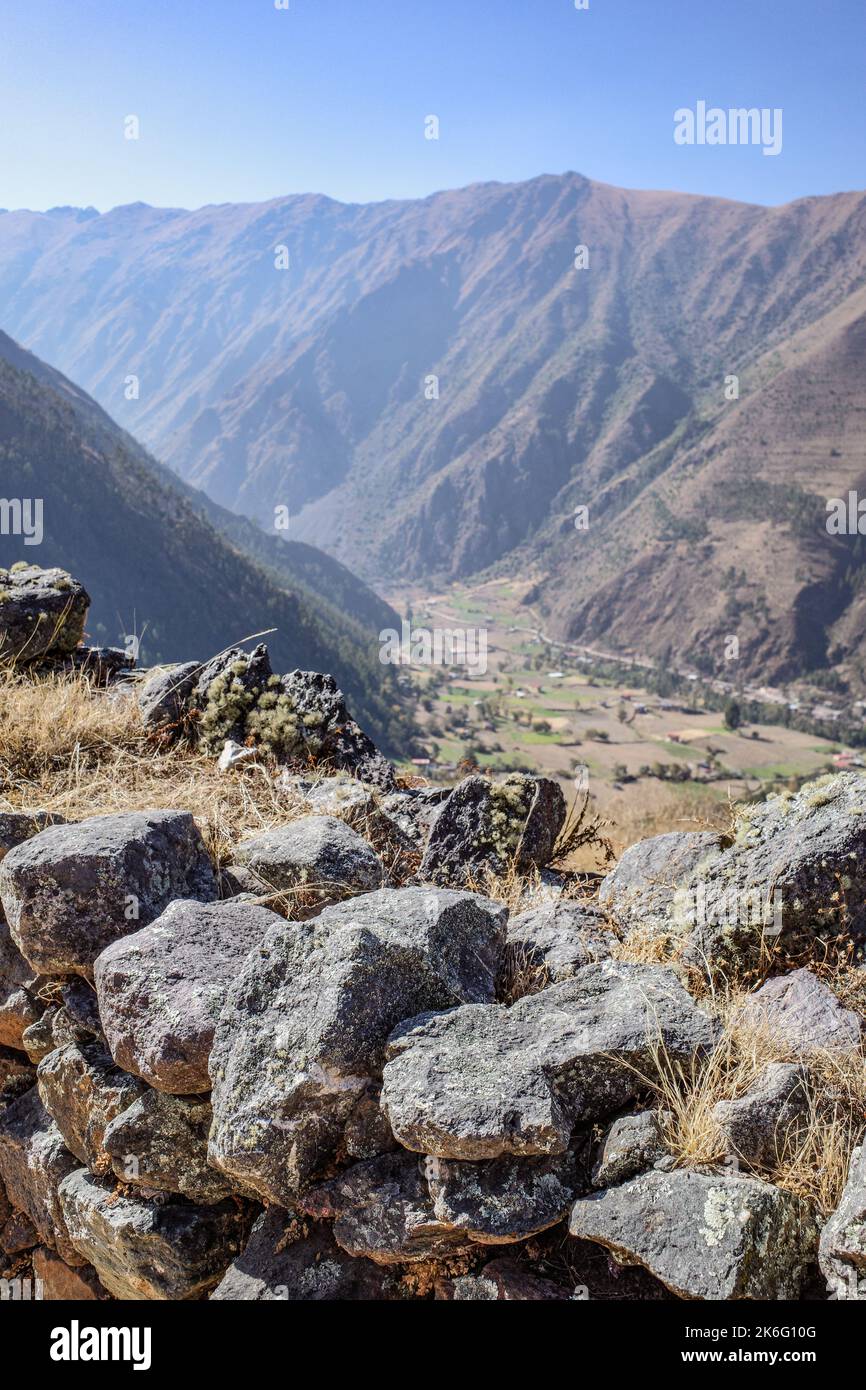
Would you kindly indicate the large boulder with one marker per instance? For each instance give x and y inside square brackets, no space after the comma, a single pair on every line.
[83,1090]
[304,1026]
[42,613]
[162,1248]
[550,943]
[487,827]
[73,889]
[319,857]
[705,1236]
[485,1080]
[161,990]
[160,1142]
[842,1251]
[760,1125]
[801,1014]
[33,1162]
[280,1263]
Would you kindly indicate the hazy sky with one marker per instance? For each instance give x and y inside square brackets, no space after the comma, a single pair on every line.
[240,101]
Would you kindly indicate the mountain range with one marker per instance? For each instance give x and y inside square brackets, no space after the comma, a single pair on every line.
[433,388]
[165,563]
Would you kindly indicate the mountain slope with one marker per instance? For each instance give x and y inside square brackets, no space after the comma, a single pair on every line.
[150,559]
[557,387]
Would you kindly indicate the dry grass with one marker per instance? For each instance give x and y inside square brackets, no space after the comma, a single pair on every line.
[71,748]
[812,1157]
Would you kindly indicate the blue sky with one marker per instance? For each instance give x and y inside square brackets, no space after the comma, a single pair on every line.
[239,101]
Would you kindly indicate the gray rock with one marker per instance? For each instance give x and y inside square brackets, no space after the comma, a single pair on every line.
[415,811]
[319,856]
[633,1143]
[504,1199]
[331,736]
[367,1132]
[481,1081]
[842,1251]
[19,1006]
[163,1249]
[382,1211]
[38,1038]
[640,892]
[160,991]
[72,889]
[304,1026]
[705,1236]
[280,1263]
[33,1162]
[485,827]
[550,943]
[83,1090]
[18,826]
[15,1069]
[42,613]
[164,698]
[503,1281]
[801,1014]
[793,868]
[759,1124]
[160,1142]
[76,1020]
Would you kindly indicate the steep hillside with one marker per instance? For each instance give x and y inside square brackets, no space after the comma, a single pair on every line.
[557,387]
[151,559]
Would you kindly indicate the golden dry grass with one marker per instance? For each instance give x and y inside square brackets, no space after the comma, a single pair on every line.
[812,1157]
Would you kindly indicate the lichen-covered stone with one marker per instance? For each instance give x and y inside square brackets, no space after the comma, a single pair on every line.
[319,856]
[487,827]
[504,1280]
[159,1248]
[760,1126]
[73,889]
[160,1142]
[802,1014]
[33,1162]
[705,1236]
[633,1143]
[160,990]
[283,1263]
[842,1251]
[83,1090]
[304,1026]
[382,1211]
[550,943]
[639,894]
[481,1081]
[18,826]
[42,613]
[504,1199]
